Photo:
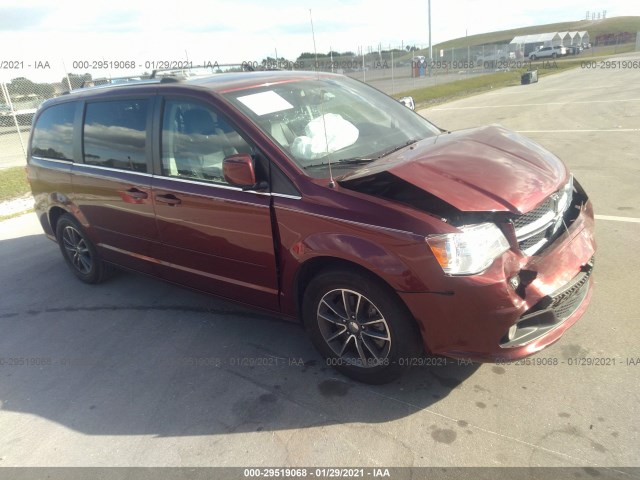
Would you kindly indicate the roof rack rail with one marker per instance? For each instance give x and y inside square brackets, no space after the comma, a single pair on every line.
[208,69]
[96,82]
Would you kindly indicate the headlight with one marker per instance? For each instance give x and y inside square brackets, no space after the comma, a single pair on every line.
[566,195]
[470,251]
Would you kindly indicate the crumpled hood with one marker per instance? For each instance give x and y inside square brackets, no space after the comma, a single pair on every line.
[482,169]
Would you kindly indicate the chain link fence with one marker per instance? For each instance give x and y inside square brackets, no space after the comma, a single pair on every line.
[396,70]
[16,113]
[19,100]
[392,70]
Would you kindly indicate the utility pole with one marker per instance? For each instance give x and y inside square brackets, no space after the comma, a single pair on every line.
[466,38]
[430,47]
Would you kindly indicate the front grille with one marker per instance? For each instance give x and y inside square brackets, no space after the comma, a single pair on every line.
[551,311]
[533,215]
[566,302]
[537,228]
[530,242]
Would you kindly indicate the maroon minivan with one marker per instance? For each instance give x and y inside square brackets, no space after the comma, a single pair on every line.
[320,198]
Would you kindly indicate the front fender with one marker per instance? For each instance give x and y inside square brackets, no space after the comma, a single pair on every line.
[364,252]
[391,259]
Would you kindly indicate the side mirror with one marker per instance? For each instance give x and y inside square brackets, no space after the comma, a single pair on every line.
[238,170]
[408,102]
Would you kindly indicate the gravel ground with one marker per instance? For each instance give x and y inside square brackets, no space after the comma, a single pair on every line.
[17,205]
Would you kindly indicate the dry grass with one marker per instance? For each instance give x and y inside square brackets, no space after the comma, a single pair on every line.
[13,183]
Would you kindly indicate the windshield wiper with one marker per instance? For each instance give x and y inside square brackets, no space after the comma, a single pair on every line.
[363,160]
[395,149]
[344,161]
[356,160]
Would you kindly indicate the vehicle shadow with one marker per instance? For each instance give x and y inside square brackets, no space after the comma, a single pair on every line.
[139,356]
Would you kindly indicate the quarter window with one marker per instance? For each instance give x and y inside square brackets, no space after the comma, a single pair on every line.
[195,141]
[53,133]
[115,134]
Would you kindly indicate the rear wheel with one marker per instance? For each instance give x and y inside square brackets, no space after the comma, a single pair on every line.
[533,57]
[360,326]
[554,55]
[78,251]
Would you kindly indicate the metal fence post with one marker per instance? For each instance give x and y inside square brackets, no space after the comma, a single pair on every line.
[393,85]
[5,92]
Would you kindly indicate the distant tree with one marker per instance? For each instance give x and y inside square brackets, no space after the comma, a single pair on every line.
[312,56]
[44,90]
[394,50]
[22,86]
[272,63]
[77,80]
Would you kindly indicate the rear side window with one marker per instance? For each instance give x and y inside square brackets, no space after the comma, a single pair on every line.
[53,133]
[114,134]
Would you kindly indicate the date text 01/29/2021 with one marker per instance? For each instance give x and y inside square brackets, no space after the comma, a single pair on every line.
[320,472]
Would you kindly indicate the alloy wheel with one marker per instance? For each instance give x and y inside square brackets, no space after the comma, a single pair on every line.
[77,250]
[354,328]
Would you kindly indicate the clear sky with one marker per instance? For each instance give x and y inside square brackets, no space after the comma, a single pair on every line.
[248,30]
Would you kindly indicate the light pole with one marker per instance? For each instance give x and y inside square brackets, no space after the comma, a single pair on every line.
[430,47]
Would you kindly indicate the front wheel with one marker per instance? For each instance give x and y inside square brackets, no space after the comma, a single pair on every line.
[78,251]
[359,326]
[533,57]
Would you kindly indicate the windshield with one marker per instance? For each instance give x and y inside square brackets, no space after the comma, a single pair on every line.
[336,119]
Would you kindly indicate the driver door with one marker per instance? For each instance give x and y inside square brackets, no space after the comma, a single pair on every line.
[214,237]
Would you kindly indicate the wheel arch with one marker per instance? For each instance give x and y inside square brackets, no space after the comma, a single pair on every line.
[317,265]
[54,215]
[57,210]
[404,336]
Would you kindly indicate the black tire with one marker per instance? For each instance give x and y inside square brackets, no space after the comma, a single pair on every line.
[533,57]
[78,251]
[360,326]
[554,55]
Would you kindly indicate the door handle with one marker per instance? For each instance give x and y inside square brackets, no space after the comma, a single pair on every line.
[136,194]
[168,199]
[133,195]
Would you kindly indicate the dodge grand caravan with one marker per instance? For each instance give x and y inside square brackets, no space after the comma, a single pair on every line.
[320,198]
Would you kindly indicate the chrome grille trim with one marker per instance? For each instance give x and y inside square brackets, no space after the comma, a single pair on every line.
[536,228]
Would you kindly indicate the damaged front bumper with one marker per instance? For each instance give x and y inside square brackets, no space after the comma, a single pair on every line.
[490,317]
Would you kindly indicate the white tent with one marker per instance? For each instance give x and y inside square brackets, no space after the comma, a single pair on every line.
[565,38]
[551,39]
[578,38]
[573,38]
[584,37]
[544,39]
[530,43]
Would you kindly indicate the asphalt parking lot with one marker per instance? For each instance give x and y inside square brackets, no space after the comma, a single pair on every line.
[136,372]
